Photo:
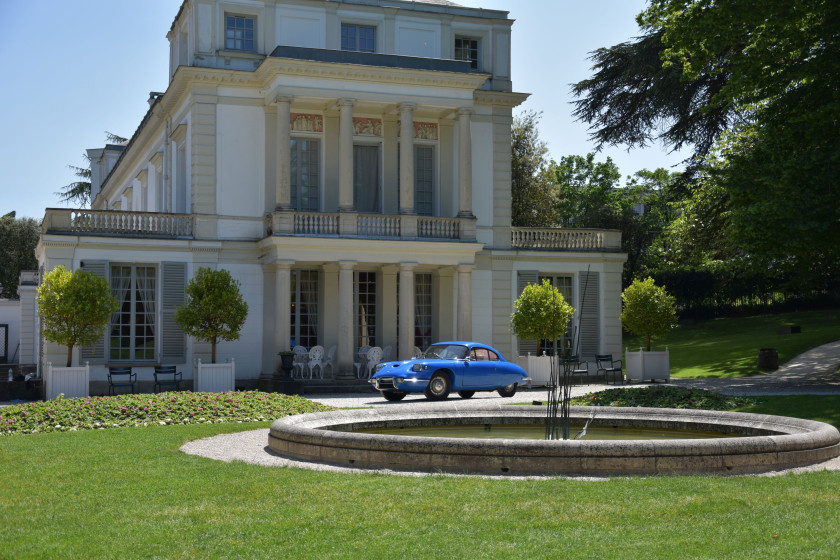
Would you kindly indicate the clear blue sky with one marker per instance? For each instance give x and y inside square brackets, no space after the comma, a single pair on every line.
[76,69]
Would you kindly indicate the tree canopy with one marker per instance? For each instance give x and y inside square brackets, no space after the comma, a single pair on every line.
[756,94]
[78,192]
[540,313]
[648,309]
[214,309]
[18,238]
[532,193]
[75,307]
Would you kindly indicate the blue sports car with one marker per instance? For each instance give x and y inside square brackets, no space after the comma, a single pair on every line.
[465,367]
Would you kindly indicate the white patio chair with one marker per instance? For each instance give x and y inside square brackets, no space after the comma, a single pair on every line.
[417,352]
[386,353]
[329,361]
[374,356]
[316,355]
[299,361]
[360,365]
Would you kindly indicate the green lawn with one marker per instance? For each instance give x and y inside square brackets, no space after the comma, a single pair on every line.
[729,347]
[129,493]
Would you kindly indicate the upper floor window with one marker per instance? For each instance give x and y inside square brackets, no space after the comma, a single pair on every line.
[361,38]
[466,48]
[239,33]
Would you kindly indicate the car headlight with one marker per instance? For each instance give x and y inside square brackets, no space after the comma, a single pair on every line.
[419,367]
[378,368]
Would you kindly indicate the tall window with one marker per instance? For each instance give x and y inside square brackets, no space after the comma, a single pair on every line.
[366,178]
[304,314]
[422,310]
[564,344]
[305,166]
[132,329]
[239,33]
[365,309]
[466,48]
[361,38]
[424,180]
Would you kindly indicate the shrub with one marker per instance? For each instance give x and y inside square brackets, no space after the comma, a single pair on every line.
[648,309]
[658,396]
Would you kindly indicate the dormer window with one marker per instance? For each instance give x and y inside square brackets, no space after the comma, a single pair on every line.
[466,48]
[240,33]
[360,38]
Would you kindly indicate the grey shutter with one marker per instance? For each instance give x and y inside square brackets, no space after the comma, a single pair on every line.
[525,277]
[173,344]
[95,354]
[590,301]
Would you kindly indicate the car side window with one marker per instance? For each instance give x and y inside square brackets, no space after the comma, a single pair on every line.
[492,356]
[479,354]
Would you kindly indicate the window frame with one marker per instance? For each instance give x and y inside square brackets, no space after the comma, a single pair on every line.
[295,185]
[301,281]
[475,63]
[566,341]
[253,40]
[115,323]
[357,26]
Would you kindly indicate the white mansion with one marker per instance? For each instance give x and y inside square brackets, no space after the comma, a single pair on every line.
[349,162]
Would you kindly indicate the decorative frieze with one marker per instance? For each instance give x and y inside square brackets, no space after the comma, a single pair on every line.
[422,130]
[363,126]
[302,122]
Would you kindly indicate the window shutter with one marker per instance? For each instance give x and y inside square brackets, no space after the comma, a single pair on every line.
[95,354]
[173,344]
[590,294]
[525,277]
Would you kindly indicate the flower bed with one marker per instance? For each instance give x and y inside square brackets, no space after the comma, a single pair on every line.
[93,413]
[664,397]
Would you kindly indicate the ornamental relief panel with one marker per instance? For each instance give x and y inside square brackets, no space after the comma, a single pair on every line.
[367,127]
[422,130]
[302,122]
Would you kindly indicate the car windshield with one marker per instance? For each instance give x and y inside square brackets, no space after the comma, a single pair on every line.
[446,352]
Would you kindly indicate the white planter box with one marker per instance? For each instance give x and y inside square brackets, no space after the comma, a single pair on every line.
[214,378]
[538,369]
[647,366]
[73,382]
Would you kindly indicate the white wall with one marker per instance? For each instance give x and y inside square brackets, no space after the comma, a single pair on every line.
[248,349]
[10,315]
[301,27]
[240,177]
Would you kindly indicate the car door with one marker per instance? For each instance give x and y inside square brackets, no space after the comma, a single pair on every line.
[479,371]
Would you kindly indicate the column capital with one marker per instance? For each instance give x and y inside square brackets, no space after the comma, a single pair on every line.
[347,265]
[282,98]
[284,264]
[407,266]
[465,267]
[407,107]
[462,111]
[345,102]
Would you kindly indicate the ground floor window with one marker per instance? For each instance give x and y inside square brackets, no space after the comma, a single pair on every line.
[422,310]
[563,283]
[304,313]
[365,304]
[132,329]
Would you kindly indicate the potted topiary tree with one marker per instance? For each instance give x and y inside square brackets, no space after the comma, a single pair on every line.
[649,311]
[214,310]
[75,308]
[541,313]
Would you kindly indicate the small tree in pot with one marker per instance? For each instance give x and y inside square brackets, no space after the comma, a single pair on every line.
[648,309]
[541,313]
[214,309]
[75,307]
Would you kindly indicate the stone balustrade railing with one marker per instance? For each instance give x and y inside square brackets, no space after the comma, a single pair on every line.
[564,239]
[117,222]
[387,226]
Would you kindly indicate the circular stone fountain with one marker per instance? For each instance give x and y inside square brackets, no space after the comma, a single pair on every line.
[763,443]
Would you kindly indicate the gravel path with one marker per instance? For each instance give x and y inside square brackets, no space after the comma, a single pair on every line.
[814,372]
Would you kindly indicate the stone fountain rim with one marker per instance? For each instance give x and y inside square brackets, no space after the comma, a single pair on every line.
[777,442]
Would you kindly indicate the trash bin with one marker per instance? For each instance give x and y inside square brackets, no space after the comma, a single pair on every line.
[768,358]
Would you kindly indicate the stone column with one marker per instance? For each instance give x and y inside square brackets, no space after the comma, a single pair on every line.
[345,155]
[283,188]
[465,301]
[407,158]
[406,303]
[464,163]
[282,305]
[344,354]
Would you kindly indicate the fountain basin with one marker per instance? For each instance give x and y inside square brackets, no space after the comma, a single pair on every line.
[768,442]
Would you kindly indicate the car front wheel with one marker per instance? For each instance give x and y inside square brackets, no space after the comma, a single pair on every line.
[393,395]
[508,391]
[439,387]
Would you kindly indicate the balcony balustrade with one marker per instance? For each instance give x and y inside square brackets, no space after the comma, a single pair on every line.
[370,226]
[118,223]
[564,239]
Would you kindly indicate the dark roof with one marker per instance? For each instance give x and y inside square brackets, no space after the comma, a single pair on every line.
[373,59]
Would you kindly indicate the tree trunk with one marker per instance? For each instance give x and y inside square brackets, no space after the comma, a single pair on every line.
[69,354]
[213,351]
[648,339]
